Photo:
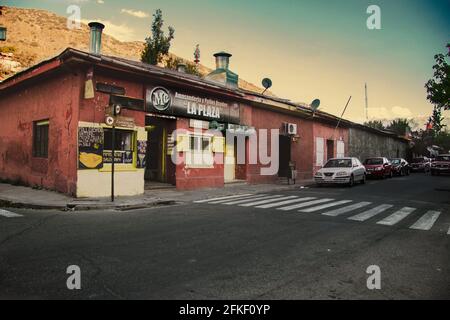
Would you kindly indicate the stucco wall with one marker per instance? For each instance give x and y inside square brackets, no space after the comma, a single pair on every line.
[56,98]
[363,144]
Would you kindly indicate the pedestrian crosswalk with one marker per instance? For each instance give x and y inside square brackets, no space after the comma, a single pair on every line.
[9,214]
[383,214]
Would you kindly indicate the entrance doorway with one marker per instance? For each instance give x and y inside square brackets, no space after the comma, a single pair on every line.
[230,162]
[330,149]
[284,155]
[159,167]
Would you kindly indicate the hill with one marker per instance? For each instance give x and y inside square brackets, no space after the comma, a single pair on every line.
[35,35]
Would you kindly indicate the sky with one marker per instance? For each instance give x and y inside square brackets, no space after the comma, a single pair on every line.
[308,48]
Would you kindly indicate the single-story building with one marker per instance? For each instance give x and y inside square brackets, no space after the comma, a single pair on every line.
[57,120]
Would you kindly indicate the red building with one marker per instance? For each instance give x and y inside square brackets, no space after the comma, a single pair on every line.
[54,131]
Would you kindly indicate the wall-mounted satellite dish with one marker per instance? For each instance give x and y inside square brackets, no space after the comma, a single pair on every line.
[315,105]
[266,83]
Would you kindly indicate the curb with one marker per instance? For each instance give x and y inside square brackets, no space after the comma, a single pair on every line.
[84,207]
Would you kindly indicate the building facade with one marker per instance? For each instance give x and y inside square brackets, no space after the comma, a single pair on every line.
[56,124]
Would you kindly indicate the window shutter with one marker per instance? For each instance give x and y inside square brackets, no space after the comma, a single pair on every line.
[319,151]
[340,153]
[218,144]
[182,143]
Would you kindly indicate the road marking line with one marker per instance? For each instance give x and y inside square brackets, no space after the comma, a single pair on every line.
[336,212]
[9,214]
[396,216]
[240,198]
[260,197]
[304,204]
[427,221]
[265,201]
[363,216]
[326,205]
[220,198]
[282,203]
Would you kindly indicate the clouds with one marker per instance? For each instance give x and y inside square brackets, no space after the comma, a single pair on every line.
[121,32]
[392,113]
[135,13]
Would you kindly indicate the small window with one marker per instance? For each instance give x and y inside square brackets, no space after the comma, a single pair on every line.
[199,144]
[40,139]
[123,146]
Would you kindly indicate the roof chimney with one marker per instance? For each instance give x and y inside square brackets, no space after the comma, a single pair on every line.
[95,39]
[222,73]
[181,67]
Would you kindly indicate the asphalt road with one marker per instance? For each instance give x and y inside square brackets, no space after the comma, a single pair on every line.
[208,250]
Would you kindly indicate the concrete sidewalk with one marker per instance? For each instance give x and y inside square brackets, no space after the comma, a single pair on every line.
[25,197]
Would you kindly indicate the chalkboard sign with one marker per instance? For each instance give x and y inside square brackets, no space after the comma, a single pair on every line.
[141,153]
[90,147]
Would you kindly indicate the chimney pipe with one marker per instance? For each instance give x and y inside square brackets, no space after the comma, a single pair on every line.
[95,39]
[222,60]
[181,67]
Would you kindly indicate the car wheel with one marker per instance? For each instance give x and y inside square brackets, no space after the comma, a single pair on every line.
[363,180]
[391,174]
[351,182]
[433,173]
[402,172]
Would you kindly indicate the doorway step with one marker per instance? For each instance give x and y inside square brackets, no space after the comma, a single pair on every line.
[154,185]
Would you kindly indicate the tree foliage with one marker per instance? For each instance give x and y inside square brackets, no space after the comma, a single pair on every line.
[400,126]
[376,124]
[173,62]
[436,120]
[438,87]
[158,44]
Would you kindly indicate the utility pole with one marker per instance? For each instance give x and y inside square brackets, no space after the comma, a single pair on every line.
[367,102]
[113,140]
[339,121]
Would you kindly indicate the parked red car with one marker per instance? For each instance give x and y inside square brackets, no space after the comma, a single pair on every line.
[379,167]
[441,164]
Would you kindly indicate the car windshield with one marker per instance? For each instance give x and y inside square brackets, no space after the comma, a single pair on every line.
[443,158]
[338,163]
[395,161]
[418,160]
[374,161]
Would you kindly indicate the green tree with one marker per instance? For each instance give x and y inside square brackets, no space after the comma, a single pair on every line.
[438,87]
[157,45]
[436,120]
[173,62]
[376,124]
[400,126]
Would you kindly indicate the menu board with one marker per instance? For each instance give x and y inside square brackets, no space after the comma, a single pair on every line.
[90,147]
[141,153]
[120,157]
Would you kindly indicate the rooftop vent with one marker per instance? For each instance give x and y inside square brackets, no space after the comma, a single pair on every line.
[181,67]
[222,73]
[95,39]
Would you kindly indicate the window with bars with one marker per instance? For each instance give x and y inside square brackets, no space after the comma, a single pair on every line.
[40,139]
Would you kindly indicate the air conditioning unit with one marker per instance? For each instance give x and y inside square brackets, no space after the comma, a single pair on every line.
[290,128]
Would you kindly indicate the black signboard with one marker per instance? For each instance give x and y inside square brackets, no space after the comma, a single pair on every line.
[177,103]
[90,147]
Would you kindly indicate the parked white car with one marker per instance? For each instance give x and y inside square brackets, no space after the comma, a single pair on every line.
[341,171]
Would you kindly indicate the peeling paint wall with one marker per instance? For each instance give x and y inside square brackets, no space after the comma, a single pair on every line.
[56,98]
[364,144]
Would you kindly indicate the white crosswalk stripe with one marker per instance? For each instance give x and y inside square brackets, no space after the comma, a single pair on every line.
[240,198]
[221,198]
[324,206]
[9,214]
[448,231]
[363,216]
[396,216]
[239,201]
[282,203]
[304,204]
[352,207]
[265,201]
[427,221]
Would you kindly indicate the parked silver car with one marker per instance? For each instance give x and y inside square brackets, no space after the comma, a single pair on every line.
[341,171]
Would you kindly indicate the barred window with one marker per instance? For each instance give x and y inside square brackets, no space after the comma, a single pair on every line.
[40,139]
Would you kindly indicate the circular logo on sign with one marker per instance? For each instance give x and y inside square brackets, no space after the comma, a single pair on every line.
[109,121]
[160,98]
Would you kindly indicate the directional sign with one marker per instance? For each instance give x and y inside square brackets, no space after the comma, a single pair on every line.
[109,120]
